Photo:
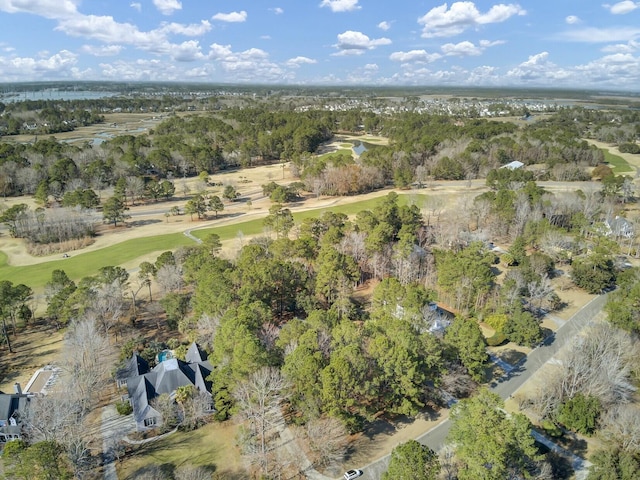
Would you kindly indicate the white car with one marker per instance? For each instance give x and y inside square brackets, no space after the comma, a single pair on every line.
[351,474]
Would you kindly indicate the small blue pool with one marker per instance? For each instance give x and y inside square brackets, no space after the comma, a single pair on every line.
[164,355]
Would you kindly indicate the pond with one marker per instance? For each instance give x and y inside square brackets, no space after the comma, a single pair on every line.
[360,147]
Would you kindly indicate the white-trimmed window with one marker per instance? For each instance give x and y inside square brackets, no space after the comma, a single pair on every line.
[150,422]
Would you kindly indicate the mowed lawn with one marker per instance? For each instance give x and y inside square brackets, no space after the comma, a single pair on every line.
[212,446]
[81,265]
[618,164]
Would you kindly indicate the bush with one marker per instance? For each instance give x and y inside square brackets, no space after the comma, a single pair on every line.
[551,429]
[124,408]
[580,413]
[497,339]
[629,148]
[497,321]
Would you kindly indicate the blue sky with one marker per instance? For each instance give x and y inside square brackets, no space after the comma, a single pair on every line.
[537,43]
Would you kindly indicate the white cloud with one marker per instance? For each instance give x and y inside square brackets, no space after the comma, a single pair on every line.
[187,51]
[384,26]
[136,6]
[538,69]
[341,5]
[622,8]
[232,17]
[462,49]
[622,48]
[443,21]
[59,65]
[371,67]
[167,7]
[45,8]
[102,50]
[297,61]
[356,43]
[265,37]
[601,35]
[248,65]
[572,20]
[277,10]
[192,30]
[420,56]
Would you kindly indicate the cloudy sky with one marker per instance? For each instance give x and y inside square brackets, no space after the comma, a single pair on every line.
[555,43]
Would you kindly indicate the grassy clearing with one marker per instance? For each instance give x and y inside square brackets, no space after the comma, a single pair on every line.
[211,446]
[617,163]
[84,264]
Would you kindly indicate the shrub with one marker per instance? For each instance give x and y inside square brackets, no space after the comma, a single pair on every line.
[124,408]
[496,321]
[551,429]
[580,413]
[497,339]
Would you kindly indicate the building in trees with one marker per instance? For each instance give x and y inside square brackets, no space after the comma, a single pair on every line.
[10,406]
[165,378]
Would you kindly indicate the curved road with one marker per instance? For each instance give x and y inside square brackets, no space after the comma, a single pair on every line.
[510,383]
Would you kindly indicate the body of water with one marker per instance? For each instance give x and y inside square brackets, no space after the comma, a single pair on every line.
[360,147]
[9,97]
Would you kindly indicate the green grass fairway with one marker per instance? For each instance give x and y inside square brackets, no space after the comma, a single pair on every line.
[255,227]
[85,264]
[618,164]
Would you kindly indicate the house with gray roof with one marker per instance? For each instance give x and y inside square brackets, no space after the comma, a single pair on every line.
[165,378]
[618,227]
[11,404]
[134,367]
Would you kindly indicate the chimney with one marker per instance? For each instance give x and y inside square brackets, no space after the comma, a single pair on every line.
[17,388]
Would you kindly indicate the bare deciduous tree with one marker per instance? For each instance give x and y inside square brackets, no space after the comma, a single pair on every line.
[621,426]
[206,329]
[259,400]
[169,277]
[328,442]
[188,472]
[168,410]
[86,348]
[598,363]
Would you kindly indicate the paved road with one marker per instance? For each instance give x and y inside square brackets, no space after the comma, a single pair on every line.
[509,384]
[113,428]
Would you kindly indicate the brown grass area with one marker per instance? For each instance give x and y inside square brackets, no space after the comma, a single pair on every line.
[210,446]
[34,347]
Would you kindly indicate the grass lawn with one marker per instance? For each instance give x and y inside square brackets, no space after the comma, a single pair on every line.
[617,163]
[255,227]
[337,154]
[85,264]
[210,446]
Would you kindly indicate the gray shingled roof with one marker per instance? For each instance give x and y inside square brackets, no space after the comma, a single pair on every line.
[195,354]
[11,403]
[166,377]
[136,365]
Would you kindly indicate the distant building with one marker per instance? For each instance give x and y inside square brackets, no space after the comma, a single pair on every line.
[618,227]
[513,165]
